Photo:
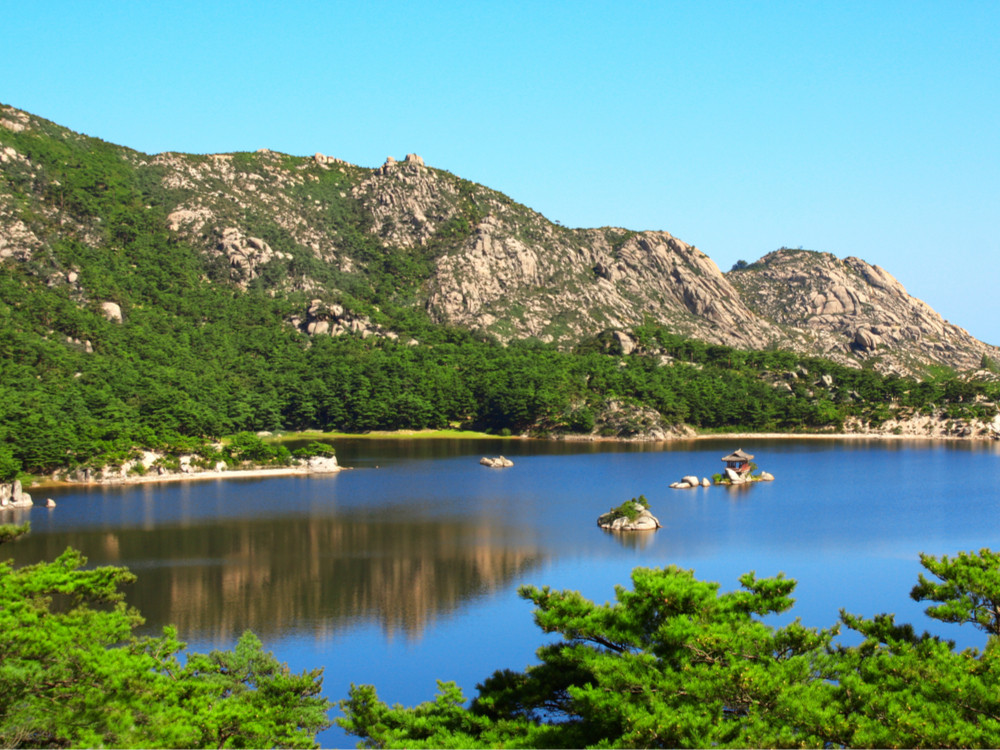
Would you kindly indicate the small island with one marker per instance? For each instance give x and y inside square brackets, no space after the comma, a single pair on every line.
[632,515]
[739,470]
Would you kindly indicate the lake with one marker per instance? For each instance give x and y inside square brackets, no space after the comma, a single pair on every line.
[405,569]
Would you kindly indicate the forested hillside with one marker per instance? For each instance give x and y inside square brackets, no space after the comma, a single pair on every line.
[163,302]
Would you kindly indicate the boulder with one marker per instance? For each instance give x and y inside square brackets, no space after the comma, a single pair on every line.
[626,342]
[705,482]
[646,522]
[13,496]
[733,477]
[50,503]
[766,477]
[112,311]
[324,464]
[865,340]
[692,480]
[496,463]
[994,426]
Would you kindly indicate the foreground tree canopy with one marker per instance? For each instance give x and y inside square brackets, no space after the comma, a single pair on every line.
[74,674]
[674,663]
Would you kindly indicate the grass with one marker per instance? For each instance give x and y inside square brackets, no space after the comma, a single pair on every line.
[382,434]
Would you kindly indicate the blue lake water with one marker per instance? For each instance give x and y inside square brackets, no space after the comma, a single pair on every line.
[405,569]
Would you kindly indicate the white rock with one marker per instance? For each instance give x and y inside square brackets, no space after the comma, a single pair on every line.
[50,503]
[705,482]
[692,480]
[324,464]
[496,463]
[766,477]
[643,523]
[112,311]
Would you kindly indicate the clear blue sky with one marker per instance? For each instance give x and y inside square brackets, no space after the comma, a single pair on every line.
[859,128]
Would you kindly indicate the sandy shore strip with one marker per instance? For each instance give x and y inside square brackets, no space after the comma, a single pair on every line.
[278,471]
[830,436]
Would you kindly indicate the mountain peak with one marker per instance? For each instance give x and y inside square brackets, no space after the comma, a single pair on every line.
[413,236]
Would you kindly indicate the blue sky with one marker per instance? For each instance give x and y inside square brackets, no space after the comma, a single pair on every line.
[858,128]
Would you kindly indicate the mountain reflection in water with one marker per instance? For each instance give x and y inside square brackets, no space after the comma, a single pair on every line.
[318,575]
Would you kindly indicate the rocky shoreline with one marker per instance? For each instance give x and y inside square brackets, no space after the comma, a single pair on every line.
[318,465]
[925,427]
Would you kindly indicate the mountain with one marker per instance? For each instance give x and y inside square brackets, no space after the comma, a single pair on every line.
[341,242]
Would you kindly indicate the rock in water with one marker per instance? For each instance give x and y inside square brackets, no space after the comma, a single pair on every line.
[645,521]
[324,464]
[496,463]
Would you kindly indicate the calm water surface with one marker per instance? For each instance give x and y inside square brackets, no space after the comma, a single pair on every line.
[404,570]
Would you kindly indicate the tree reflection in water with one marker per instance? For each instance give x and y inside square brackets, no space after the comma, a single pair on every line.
[316,575]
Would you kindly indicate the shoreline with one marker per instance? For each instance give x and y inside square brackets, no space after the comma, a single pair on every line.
[264,472]
[842,436]
[778,436]
[279,471]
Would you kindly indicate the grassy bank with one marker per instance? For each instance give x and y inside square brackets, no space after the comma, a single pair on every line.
[288,437]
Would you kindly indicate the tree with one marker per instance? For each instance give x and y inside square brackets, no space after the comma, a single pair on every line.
[968,592]
[672,663]
[74,674]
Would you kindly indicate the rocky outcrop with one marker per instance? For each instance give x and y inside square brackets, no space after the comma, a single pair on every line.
[689,482]
[639,520]
[245,255]
[561,285]
[472,257]
[853,311]
[323,319]
[323,465]
[496,463]
[12,495]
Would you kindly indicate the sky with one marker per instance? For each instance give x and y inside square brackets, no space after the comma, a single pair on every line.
[868,128]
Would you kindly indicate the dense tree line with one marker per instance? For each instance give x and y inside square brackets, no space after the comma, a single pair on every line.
[210,363]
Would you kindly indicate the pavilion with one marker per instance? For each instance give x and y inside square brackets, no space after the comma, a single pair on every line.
[739,461]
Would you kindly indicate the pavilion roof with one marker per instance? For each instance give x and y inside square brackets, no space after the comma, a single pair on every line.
[738,455]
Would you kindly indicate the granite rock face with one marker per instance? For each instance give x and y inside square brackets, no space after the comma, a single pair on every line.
[854,311]
[469,256]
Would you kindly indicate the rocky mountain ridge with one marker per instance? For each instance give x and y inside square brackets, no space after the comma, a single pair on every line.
[341,241]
